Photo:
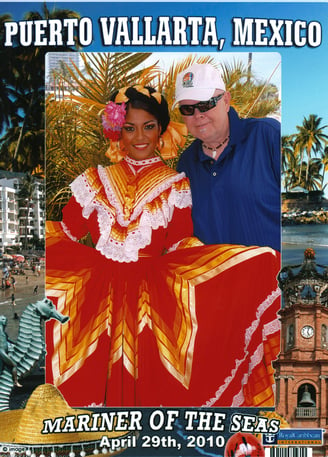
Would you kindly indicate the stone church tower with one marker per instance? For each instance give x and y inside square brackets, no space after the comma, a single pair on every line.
[301,371]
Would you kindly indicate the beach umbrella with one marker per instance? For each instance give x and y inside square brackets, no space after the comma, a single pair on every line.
[18,257]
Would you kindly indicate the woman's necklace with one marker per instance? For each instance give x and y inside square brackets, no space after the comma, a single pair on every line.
[213,150]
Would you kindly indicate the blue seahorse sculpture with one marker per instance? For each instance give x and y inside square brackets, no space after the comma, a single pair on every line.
[18,358]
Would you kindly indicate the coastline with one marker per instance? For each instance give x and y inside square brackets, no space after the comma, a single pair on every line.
[303,217]
[301,211]
[297,237]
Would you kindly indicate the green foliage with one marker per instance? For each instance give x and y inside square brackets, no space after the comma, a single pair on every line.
[290,163]
[250,98]
[74,134]
[22,97]
[74,138]
[310,176]
[25,196]
[310,140]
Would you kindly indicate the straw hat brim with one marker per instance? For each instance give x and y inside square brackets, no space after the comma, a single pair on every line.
[24,426]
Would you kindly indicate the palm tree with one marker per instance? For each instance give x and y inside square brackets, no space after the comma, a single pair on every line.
[324,160]
[311,177]
[74,135]
[7,79]
[250,97]
[31,139]
[309,138]
[22,96]
[74,138]
[290,162]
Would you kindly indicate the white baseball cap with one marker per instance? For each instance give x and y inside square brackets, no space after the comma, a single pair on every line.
[198,82]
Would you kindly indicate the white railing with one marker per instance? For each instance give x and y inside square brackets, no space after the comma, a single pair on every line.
[306,412]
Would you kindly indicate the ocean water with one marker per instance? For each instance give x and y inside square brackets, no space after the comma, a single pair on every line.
[296,238]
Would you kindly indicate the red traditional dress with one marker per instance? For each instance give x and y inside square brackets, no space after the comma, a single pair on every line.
[196,326]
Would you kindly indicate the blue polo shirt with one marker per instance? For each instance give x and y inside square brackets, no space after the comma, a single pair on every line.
[236,199]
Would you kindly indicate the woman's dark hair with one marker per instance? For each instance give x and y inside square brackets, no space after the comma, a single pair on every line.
[149,103]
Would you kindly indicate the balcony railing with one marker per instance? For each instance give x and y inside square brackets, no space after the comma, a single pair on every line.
[303,412]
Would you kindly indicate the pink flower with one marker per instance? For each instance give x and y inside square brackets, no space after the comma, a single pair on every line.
[113,120]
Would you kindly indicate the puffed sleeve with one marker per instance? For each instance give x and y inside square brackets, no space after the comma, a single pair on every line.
[180,231]
[73,223]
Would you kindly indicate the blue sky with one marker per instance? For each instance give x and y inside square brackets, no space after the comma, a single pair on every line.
[303,69]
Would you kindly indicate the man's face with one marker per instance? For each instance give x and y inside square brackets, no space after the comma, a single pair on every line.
[211,126]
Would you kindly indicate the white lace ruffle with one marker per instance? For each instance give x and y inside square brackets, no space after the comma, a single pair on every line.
[139,238]
[179,200]
[174,247]
[83,194]
[257,355]
[142,163]
[67,231]
[255,359]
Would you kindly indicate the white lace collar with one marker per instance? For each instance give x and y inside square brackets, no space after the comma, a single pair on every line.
[127,250]
[140,163]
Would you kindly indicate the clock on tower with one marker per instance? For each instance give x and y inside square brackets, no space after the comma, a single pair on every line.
[301,370]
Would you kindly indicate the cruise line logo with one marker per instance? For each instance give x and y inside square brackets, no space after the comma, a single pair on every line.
[295,436]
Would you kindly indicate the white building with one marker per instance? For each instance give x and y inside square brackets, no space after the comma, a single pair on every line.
[56,60]
[56,63]
[20,220]
[9,221]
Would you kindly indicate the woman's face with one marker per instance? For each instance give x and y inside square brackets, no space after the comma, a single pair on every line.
[140,134]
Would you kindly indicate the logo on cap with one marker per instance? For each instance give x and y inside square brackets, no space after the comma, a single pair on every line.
[187,80]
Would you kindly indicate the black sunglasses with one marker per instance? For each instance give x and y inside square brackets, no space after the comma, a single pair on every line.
[188,110]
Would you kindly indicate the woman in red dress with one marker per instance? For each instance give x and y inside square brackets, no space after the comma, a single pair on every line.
[156,317]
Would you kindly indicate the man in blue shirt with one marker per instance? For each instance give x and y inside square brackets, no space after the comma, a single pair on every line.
[233,165]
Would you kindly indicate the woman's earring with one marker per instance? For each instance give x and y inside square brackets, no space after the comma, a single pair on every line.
[161,143]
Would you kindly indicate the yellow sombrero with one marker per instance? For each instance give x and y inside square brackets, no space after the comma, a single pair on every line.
[23,427]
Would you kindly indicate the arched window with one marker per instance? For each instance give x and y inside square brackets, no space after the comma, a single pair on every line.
[290,340]
[306,397]
[324,336]
[308,293]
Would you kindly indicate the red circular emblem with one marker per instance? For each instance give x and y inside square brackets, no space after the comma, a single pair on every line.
[243,445]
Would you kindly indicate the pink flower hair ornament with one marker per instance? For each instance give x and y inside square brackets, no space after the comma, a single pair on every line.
[113,120]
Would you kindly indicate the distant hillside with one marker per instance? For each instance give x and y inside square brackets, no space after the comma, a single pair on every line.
[303,204]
